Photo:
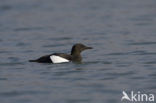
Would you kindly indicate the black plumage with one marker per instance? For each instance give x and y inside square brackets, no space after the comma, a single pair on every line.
[75,55]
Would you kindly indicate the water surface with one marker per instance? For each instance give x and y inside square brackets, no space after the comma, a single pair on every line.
[122,33]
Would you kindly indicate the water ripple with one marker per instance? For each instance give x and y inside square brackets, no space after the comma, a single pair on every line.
[28,29]
[11,64]
[5,7]
[19,93]
[143,43]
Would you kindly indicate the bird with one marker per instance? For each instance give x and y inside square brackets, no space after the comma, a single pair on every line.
[75,55]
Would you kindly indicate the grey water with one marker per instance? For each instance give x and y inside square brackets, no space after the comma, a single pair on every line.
[122,33]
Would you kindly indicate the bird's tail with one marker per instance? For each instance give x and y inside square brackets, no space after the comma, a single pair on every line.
[32,60]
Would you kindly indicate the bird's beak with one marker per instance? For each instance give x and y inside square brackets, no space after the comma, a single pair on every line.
[88,48]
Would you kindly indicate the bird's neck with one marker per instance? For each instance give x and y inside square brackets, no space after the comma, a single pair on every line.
[76,56]
[75,52]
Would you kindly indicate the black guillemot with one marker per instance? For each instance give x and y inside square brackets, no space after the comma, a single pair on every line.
[75,55]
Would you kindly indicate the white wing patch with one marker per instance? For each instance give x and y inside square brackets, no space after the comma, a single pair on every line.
[58,59]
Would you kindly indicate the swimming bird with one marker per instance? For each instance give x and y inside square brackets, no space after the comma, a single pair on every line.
[75,55]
